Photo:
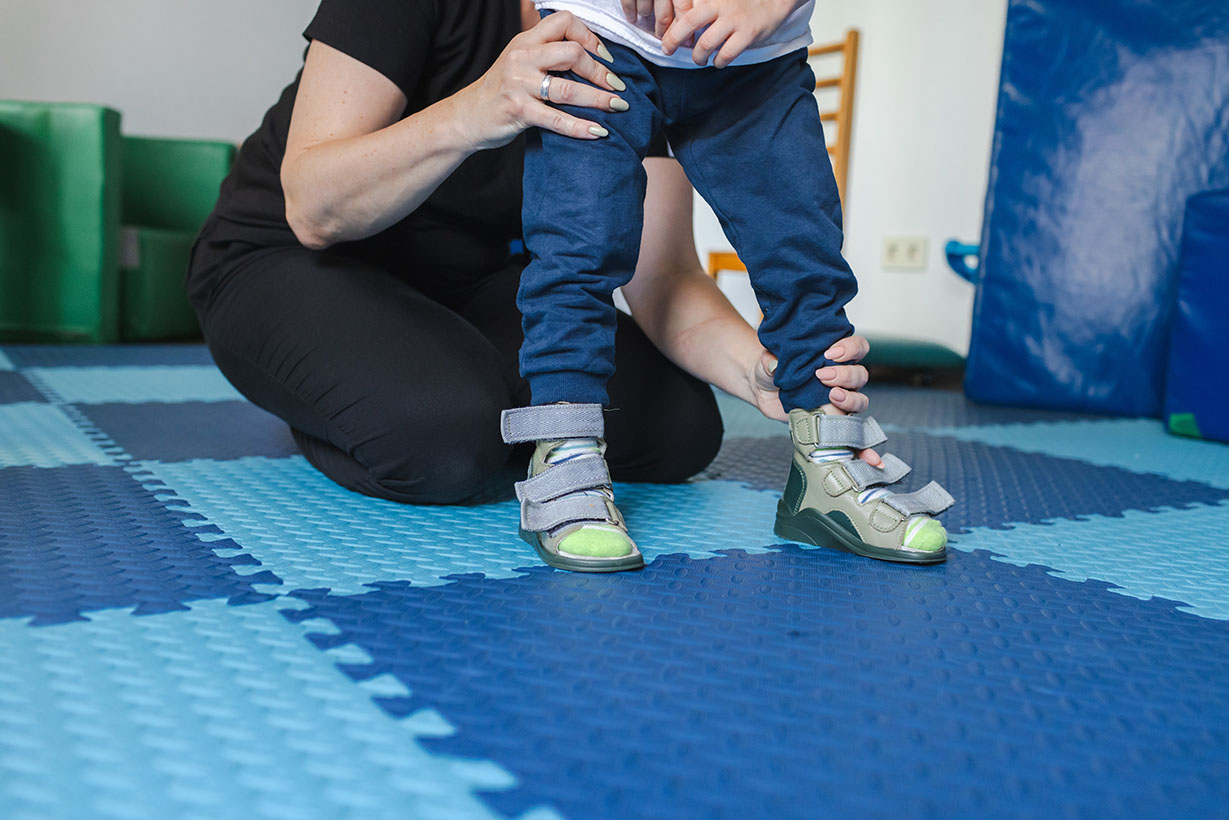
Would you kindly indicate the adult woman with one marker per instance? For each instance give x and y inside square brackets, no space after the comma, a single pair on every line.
[356,279]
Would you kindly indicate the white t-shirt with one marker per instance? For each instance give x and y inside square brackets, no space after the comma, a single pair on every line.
[605,18]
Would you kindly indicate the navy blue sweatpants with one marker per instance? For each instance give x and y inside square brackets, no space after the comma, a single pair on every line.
[750,141]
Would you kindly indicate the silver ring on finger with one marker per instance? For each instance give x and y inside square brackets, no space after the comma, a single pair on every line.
[544,89]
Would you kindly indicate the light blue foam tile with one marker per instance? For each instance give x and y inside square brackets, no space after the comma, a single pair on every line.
[1139,445]
[41,435]
[5,362]
[215,712]
[312,533]
[102,385]
[1180,555]
[541,813]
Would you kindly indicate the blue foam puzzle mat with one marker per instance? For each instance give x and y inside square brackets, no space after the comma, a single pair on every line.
[15,389]
[194,623]
[795,685]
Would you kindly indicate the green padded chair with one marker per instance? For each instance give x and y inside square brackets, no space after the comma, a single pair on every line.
[95,228]
[169,188]
[59,222]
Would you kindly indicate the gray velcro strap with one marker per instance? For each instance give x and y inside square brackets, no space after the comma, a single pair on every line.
[864,475]
[856,431]
[548,422]
[552,514]
[930,500]
[584,473]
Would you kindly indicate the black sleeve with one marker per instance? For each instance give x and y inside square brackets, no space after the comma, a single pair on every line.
[392,36]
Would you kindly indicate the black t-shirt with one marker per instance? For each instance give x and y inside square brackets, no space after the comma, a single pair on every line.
[430,49]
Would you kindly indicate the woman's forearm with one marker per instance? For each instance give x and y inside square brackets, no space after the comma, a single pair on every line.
[353,166]
[351,188]
[690,320]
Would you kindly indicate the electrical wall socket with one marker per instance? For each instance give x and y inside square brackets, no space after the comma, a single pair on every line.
[904,252]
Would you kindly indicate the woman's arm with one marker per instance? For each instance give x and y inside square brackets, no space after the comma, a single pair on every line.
[683,312]
[353,166]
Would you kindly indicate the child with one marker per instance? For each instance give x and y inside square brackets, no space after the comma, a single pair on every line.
[750,140]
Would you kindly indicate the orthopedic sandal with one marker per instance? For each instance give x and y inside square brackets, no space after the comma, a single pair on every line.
[832,499]
[567,503]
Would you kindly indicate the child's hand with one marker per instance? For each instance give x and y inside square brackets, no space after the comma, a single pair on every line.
[662,12]
[733,25]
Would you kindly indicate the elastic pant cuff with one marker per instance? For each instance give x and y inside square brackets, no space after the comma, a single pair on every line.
[580,388]
[810,396]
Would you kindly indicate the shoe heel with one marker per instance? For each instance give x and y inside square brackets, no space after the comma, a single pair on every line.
[805,530]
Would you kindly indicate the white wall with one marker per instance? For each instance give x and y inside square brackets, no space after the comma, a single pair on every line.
[923,120]
[207,68]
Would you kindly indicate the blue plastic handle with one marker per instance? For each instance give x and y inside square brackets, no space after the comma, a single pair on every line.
[958,254]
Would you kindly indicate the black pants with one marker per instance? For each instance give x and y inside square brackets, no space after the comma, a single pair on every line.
[397,395]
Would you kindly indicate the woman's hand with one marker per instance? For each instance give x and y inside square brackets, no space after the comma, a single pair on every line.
[733,26]
[506,100]
[845,380]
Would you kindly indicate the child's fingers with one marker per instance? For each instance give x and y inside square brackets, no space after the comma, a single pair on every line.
[737,44]
[644,8]
[710,41]
[630,11]
[663,16]
[684,26]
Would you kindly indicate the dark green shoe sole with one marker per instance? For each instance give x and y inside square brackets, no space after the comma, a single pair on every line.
[620,564]
[811,527]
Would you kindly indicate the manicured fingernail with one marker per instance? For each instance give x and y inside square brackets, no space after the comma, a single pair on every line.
[837,394]
[615,82]
[772,366]
[598,131]
[825,373]
[604,52]
[833,353]
[618,104]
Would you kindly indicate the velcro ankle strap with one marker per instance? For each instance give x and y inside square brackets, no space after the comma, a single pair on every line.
[552,514]
[548,422]
[585,473]
[817,430]
[930,500]
[864,475]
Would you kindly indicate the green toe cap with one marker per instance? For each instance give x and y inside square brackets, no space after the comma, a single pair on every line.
[597,542]
[930,537]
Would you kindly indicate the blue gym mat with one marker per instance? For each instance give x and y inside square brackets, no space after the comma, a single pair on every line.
[193,623]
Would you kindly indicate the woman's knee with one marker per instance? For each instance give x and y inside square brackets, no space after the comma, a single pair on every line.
[444,459]
[680,439]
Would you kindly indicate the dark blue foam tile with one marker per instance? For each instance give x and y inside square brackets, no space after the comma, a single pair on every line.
[993,486]
[107,355]
[74,539]
[803,684]
[927,407]
[190,430]
[14,388]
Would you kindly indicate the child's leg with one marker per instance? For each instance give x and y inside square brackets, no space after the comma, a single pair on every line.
[582,214]
[758,158]
[751,143]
